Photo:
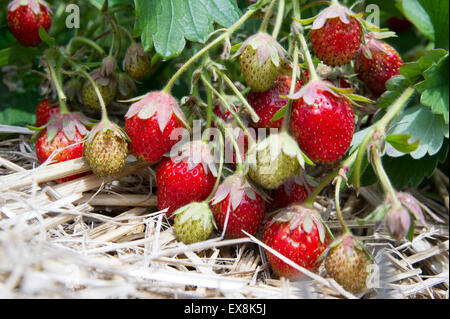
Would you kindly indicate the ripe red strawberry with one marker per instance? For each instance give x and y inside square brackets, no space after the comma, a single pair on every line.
[260,59]
[293,191]
[376,63]
[25,17]
[266,104]
[44,111]
[398,25]
[298,234]
[62,131]
[237,206]
[322,122]
[187,178]
[222,112]
[149,124]
[336,35]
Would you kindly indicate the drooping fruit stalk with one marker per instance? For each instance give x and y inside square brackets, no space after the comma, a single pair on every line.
[265,23]
[380,126]
[280,17]
[229,109]
[106,148]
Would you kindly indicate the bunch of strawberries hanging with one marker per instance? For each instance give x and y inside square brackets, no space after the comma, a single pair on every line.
[314,118]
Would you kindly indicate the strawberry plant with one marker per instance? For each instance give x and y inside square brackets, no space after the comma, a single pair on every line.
[251,114]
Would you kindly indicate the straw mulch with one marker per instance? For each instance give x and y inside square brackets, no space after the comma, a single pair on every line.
[94,238]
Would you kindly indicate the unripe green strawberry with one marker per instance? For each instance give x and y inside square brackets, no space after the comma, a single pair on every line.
[274,160]
[106,149]
[348,263]
[137,62]
[295,190]
[193,223]
[260,59]
[107,86]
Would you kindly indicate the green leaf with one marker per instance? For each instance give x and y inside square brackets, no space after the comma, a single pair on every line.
[418,16]
[4,56]
[420,123]
[401,142]
[142,25]
[17,108]
[414,71]
[435,88]
[406,171]
[224,12]
[279,114]
[438,12]
[18,54]
[166,27]
[166,24]
[394,88]
[196,21]
[45,37]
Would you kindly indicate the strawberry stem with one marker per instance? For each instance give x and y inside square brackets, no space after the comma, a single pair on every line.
[229,109]
[309,60]
[206,48]
[380,126]
[287,117]
[312,197]
[338,205]
[265,22]
[239,95]
[219,122]
[280,17]
[384,179]
[219,172]
[127,33]
[209,111]
[86,41]
[94,85]
[117,34]
[298,29]
[58,86]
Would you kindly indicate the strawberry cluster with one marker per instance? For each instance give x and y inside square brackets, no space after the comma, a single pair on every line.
[311,122]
